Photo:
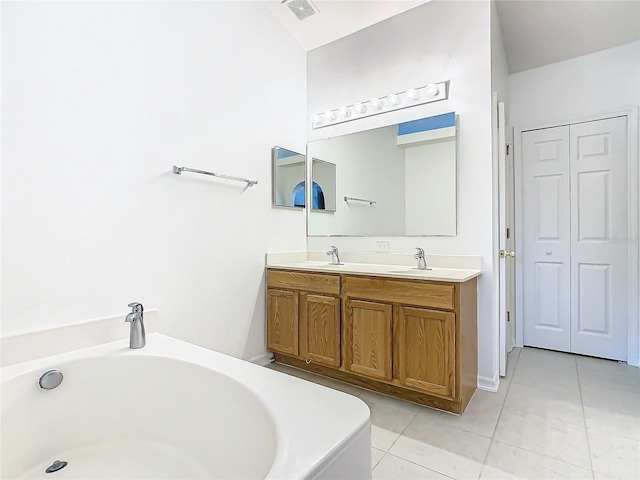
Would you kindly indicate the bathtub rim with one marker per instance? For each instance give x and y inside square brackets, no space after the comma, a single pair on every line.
[294,457]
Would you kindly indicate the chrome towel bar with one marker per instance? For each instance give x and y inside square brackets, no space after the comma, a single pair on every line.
[370,202]
[179,170]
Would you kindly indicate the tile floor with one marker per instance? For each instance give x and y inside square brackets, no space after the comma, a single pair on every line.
[555,416]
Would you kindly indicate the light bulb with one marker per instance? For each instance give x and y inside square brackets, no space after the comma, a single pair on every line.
[412,94]
[316,119]
[344,112]
[376,103]
[433,89]
[360,108]
[393,99]
[330,115]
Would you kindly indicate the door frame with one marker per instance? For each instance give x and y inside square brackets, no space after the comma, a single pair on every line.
[633,220]
[501,145]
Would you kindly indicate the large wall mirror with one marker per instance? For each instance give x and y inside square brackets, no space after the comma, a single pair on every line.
[398,180]
[288,178]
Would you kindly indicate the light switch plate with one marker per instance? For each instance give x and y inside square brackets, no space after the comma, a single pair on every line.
[382,246]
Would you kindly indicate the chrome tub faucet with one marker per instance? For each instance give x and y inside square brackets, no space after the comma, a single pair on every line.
[335,257]
[137,337]
[422,262]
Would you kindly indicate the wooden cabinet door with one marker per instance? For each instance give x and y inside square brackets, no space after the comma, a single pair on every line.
[320,329]
[369,335]
[282,321]
[425,342]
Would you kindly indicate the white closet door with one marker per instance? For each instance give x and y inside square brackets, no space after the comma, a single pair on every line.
[598,168]
[546,238]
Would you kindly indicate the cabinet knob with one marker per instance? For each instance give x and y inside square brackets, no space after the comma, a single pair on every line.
[548,252]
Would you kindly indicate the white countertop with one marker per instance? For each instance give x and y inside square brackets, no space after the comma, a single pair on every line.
[380,270]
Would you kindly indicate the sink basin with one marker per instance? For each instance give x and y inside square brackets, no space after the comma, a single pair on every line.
[414,271]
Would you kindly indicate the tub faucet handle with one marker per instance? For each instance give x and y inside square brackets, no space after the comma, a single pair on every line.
[136,307]
[137,337]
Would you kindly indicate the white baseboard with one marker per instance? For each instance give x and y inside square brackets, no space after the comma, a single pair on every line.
[489,384]
[262,359]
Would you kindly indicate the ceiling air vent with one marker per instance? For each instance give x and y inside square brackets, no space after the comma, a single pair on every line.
[301,8]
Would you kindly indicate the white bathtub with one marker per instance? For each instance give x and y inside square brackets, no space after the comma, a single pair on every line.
[175,410]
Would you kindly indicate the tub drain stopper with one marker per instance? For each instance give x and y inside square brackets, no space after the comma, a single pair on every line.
[55,466]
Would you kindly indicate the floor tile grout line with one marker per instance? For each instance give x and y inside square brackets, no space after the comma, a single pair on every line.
[506,394]
[550,390]
[493,434]
[543,455]
[584,418]
[402,433]
[417,464]
[386,452]
[373,467]
[531,451]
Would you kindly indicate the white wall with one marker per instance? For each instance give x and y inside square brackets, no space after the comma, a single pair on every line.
[589,85]
[441,40]
[100,99]
[370,166]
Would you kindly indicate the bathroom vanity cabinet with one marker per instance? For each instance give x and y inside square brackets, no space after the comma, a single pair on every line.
[304,316]
[410,338]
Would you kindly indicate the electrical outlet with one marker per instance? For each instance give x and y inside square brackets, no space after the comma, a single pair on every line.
[382,246]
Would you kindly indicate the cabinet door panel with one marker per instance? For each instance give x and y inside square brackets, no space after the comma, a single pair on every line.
[320,329]
[369,326]
[282,321]
[426,350]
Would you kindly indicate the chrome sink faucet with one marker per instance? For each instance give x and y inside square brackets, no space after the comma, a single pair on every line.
[137,337]
[422,262]
[335,257]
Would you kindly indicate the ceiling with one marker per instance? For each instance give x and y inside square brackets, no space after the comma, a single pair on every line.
[337,18]
[535,32]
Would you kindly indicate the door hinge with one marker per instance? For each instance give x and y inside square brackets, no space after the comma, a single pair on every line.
[508,316]
[508,148]
[508,232]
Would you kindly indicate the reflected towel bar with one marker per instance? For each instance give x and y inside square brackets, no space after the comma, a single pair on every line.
[179,170]
[370,202]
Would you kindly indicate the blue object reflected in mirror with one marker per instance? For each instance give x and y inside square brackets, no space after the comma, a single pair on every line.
[299,195]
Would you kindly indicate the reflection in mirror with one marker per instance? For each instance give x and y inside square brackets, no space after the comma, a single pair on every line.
[288,184]
[406,175]
[323,175]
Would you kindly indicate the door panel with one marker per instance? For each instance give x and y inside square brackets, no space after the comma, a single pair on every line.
[426,345]
[370,327]
[594,206]
[546,238]
[320,329]
[547,190]
[282,321]
[598,162]
[594,293]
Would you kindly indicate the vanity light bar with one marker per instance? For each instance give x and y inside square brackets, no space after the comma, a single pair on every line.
[432,92]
